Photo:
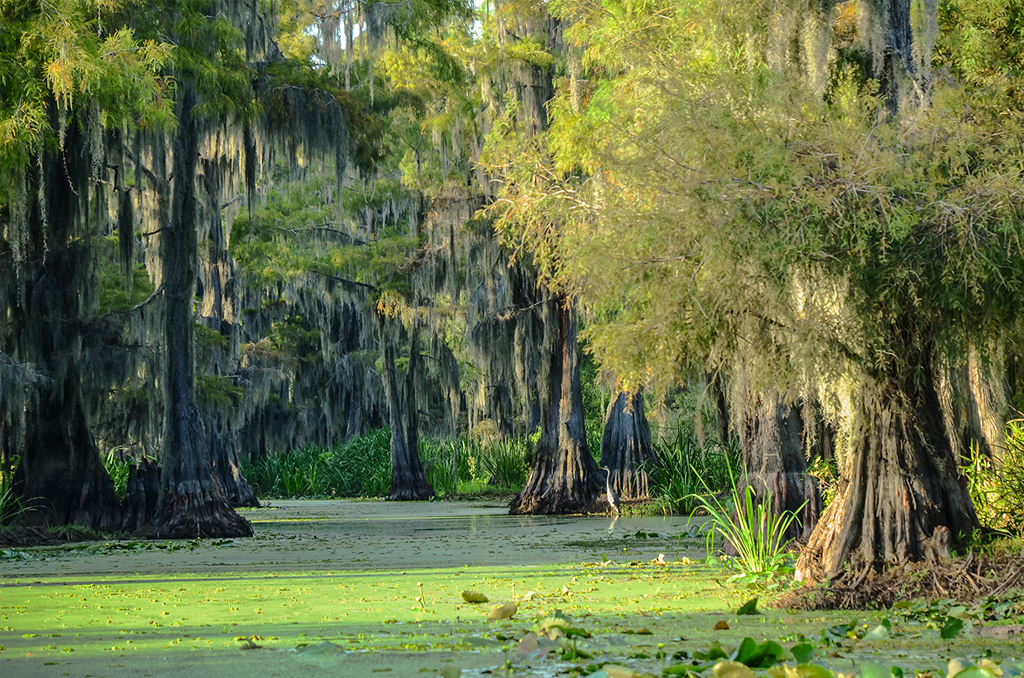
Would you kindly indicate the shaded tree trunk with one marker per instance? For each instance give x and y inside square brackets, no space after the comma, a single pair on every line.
[45,338]
[721,407]
[901,497]
[774,461]
[61,479]
[626,449]
[408,478]
[192,502]
[564,477]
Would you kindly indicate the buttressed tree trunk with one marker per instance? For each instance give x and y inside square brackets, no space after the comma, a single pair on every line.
[626,449]
[901,497]
[987,404]
[564,477]
[44,341]
[408,478]
[61,479]
[192,502]
[774,461]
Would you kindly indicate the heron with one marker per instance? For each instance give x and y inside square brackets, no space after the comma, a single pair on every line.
[613,496]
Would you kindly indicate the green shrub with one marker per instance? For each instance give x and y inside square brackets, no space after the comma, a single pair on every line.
[118,467]
[447,463]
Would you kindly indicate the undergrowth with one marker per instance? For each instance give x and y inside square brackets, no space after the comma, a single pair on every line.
[362,468]
[997,485]
[685,470]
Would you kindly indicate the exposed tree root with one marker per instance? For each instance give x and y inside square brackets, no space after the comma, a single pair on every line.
[966,579]
[23,537]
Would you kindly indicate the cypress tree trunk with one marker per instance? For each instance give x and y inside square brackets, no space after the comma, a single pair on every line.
[626,449]
[774,461]
[987,405]
[61,477]
[192,502]
[902,497]
[564,477]
[46,337]
[408,478]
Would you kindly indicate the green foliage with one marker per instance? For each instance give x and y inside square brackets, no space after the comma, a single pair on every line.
[118,467]
[827,473]
[113,293]
[753,530]
[505,464]
[10,503]
[218,389]
[997,487]
[358,468]
[448,462]
[685,470]
[208,336]
[362,467]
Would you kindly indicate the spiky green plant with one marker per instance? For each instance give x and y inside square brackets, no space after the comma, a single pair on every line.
[505,464]
[754,531]
[118,468]
[686,469]
[997,489]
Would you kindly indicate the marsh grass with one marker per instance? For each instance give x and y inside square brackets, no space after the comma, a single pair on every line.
[358,468]
[685,470]
[505,464]
[754,531]
[11,505]
[362,468]
[997,490]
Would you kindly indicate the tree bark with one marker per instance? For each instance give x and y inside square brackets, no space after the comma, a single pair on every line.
[46,337]
[774,462]
[626,449]
[564,477]
[61,479]
[987,405]
[902,497]
[408,478]
[192,502]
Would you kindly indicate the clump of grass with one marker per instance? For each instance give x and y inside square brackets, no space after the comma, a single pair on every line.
[10,503]
[686,469]
[997,490]
[362,467]
[505,464]
[754,531]
[448,462]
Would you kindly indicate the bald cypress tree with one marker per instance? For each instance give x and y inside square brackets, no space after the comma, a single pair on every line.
[761,205]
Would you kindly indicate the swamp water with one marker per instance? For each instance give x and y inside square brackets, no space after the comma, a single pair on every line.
[365,588]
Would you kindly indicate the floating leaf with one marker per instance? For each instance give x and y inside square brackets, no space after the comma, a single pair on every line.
[732,670]
[803,653]
[755,655]
[528,644]
[951,629]
[617,671]
[880,632]
[506,611]
[474,597]
[450,671]
[874,670]
[722,626]
[749,607]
